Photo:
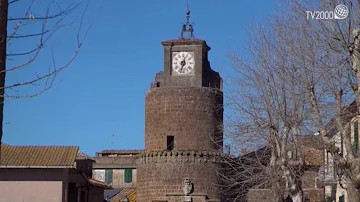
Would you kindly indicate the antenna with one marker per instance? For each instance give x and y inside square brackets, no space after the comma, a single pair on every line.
[187,27]
[112,140]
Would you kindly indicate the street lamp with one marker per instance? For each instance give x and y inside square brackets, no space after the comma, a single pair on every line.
[125,200]
[340,174]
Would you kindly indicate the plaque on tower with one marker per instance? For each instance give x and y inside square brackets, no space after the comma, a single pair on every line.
[187,186]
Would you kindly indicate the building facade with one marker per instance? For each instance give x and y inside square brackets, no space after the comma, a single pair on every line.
[310,148]
[116,167]
[48,173]
[335,187]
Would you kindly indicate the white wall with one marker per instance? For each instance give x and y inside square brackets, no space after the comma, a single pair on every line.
[30,191]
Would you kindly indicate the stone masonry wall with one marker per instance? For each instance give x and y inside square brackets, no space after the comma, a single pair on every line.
[308,185]
[193,115]
[308,179]
[161,173]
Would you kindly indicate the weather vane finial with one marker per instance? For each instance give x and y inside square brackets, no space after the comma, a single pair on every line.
[187,27]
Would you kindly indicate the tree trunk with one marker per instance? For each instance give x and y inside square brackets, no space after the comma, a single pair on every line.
[353,193]
[3,34]
[297,197]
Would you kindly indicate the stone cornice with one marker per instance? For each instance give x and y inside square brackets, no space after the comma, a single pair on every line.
[180,156]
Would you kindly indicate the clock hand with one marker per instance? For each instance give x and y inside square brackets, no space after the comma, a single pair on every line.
[183,63]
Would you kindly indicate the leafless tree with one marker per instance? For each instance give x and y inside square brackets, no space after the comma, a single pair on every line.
[324,55]
[297,80]
[270,112]
[39,29]
[333,82]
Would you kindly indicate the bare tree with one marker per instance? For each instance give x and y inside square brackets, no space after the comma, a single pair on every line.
[325,57]
[47,24]
[333,79]
[271,112]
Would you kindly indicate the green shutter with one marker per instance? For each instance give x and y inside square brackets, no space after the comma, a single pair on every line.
[108,176]
[356,137]
[128,175]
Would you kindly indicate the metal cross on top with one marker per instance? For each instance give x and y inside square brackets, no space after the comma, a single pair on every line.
[187,27]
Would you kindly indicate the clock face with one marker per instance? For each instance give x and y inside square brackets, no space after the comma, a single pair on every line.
[183,63]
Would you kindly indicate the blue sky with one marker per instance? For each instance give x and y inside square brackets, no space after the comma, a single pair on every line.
[102,93]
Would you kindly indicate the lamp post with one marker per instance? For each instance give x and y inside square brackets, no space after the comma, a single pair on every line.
[340,174]
[125,200]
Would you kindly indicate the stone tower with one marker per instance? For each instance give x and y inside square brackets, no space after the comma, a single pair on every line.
[183,126]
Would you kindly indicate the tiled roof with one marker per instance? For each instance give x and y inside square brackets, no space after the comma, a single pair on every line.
[130,193]
[313,141]
[38,156]
[98,183]
[132,151]
[312,157]
[347,113]
[109,193]
[82,155]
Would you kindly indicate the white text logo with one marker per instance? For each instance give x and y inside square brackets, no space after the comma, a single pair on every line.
[340,12]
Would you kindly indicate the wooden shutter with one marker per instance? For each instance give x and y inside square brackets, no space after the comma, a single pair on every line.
[128,175]
[108,176]
[356,137]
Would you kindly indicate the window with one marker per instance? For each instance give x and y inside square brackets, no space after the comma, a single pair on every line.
[157,84]
[290,155]
[328,154]
[342,198]
[128,175]
[170,143]
[108,176]
[356,138]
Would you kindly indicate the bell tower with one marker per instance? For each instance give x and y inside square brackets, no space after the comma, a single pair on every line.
[183,126]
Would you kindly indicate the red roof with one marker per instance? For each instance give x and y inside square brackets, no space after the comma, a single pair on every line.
[82,155]
[38,156]
[98,183]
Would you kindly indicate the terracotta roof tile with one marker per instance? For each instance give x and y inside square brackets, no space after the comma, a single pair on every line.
[130,193]
[313,157]
[98,183]
[313,141]
[38,155]
[82,155]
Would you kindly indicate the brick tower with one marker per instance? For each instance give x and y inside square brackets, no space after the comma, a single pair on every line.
[183,126]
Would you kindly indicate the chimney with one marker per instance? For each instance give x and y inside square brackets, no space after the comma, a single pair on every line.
[243,152]
[227,149]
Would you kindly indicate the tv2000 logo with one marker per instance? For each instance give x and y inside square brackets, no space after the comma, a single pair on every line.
[340,12]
